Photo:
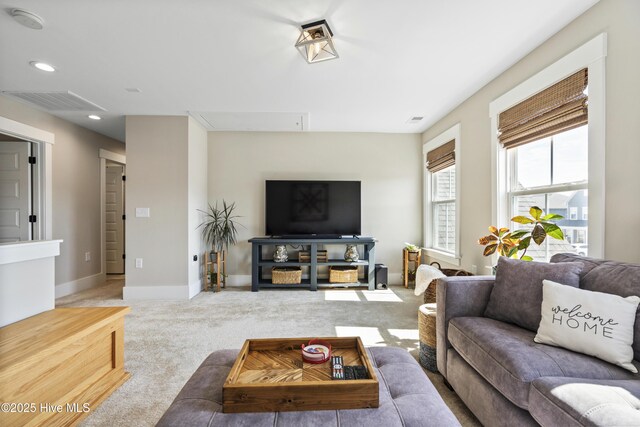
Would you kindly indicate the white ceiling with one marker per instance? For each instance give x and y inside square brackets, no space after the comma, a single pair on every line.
[398,59]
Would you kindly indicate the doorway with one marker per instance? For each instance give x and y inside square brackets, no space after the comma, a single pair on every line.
[114,218]
[15,190]
[112,212]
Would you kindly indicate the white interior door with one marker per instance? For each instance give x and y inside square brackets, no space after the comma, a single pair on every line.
[114,226]
[14,191]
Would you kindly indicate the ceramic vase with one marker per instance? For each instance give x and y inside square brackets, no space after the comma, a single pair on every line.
[351,254]
[280,254]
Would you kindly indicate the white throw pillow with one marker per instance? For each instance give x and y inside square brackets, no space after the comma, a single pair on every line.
[593,323]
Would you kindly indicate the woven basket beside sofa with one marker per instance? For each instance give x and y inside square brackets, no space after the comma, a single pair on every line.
[427,333]
[430,293]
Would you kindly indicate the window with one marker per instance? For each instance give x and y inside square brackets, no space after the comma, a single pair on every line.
[443,209]
[551,173]
[441,213]
[573,213]
[546,138]
[585,213]
[556,159]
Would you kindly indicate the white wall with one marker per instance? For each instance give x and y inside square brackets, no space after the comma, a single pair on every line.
[619,19]
[27,276]
[197,181]
[389,166]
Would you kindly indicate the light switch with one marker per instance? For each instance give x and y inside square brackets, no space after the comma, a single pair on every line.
[138,262]
[143,213]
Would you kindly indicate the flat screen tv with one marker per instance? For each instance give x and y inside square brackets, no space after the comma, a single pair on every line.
[312,208]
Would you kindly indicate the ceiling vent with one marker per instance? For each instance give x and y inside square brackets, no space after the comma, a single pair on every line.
[415,119]
[55,101]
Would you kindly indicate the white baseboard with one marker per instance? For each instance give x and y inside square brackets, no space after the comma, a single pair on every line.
[395,279]
[195,288]
[156,292]
[239,280]
[64,289]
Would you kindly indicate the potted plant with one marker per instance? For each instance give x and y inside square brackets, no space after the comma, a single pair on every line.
[413,250]
[509,243]
[219,231]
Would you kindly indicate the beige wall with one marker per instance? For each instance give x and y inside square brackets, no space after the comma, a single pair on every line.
[167,173]
[619,19]
[76,188]
[157,179]
[387,164]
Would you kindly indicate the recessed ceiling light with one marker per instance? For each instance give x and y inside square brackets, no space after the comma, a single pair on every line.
[42,66]
[94,117]
[133,89]
[28,19]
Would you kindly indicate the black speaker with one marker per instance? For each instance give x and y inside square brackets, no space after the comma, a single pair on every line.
[382,276]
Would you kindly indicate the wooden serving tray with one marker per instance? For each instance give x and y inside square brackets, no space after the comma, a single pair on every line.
[270,375]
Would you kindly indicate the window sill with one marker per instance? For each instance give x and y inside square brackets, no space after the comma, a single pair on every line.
[442,256]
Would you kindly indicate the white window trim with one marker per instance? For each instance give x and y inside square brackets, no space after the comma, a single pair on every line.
[452,133]
[592,56]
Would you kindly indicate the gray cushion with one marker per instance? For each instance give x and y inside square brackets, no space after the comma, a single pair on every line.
[517,294]
[613,277]
[588,264]
[578,402]
[487,404]
[407,398]
[620,279]
[508,358]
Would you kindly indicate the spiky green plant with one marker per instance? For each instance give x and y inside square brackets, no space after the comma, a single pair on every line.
[220,228]
[509,243]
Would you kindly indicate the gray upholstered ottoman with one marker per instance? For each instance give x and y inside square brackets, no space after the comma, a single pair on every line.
[407,398]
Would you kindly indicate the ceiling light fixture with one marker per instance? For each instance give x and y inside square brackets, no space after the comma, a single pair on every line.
[28,19]
[94,117]
[315,42]
[42,66]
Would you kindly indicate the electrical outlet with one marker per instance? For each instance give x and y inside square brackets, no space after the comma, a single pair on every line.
[138,262]
[87,256]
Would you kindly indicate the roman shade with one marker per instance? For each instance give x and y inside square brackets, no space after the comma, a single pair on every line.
[556,109]
[442,157]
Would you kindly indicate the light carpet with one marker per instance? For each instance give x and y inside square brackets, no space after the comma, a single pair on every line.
[165,341]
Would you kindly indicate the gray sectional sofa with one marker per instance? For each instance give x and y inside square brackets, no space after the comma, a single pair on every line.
[507,379]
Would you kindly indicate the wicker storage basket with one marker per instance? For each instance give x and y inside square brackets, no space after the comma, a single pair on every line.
[305,256]
[430,293]
[343,274]
[427,333]
[427,324]
[286,275]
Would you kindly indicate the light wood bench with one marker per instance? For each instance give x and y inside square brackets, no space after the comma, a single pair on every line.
[57,366]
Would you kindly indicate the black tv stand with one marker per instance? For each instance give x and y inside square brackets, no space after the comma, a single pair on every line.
[259,263]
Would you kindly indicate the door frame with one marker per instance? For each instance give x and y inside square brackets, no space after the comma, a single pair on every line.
[114,158]
[43,178]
